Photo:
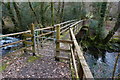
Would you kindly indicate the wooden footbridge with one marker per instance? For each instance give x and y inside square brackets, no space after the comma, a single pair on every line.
[35,37]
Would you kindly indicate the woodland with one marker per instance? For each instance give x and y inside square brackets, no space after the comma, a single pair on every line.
[99,34]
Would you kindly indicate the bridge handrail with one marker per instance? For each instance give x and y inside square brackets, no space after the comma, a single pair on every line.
[66,26]
[64,22]
[86,71]
[18,33]
[30,35]
[13,34]
[76,23]
[14,43]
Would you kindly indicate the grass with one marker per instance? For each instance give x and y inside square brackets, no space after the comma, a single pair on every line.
[33,58]
[64,34]
[3,67]
[62,60]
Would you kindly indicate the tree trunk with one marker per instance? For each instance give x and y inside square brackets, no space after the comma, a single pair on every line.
[58,12]
[83,11]
[3,24]
[12,15]
[102,14]
[30,5]
[117,26]
[17,13]
[62,12]
[101,22]
[52,13]
[42,14]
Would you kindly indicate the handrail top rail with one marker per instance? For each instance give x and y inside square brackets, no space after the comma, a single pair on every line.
[64,22]
[81,58]
[13,34]
[76,23]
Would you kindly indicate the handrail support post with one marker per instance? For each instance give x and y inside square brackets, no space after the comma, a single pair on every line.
[57,43]
[33,38]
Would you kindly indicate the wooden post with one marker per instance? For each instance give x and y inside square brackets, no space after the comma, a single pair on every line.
[24,45]
[33,39]
[57,43]
[37,43]
[116,61]
[41,40]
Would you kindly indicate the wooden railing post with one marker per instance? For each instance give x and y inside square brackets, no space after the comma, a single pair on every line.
[24,45]
[57,43]
[33,39]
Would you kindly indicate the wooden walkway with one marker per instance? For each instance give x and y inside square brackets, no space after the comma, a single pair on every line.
[35,39]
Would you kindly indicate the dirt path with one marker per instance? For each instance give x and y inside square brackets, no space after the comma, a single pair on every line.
[44,67]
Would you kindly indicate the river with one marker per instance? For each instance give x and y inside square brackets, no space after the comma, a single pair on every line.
[10,48]
[103,68]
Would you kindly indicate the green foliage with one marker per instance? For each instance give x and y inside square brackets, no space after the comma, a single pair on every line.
[96,9]
[115,47]
[26,16]
[94,29]
[3,67]
[33,58]
[93,25]
[73,11]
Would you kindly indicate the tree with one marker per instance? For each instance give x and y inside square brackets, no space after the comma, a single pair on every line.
[52,13]
[3,24]
[17,14]
[117,26]
[83,11]
[100,32]
[58,12]
[62,12]
[43,9]
[30,5]
[8,6]
[96,7]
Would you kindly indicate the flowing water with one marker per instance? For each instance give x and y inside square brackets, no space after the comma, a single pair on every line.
[10,48]
[102,67]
